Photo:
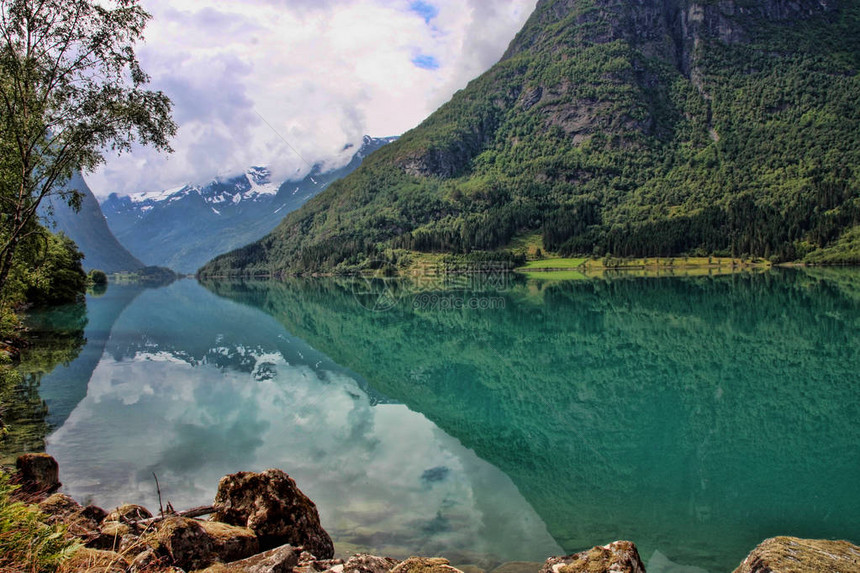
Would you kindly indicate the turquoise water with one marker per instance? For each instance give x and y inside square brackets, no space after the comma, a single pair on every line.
[493,419]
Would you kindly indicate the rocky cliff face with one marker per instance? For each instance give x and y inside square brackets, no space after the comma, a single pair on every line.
[672,31]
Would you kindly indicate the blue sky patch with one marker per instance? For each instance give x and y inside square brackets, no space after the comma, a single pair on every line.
[424,9]
[426,62]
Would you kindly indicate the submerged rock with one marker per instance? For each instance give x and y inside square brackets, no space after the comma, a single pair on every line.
[38,473]
[793,555]
[273,507]
[617,557]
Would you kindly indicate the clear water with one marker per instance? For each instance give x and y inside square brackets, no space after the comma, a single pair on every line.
[490,421]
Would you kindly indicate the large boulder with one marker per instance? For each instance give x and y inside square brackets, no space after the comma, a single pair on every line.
[793,555]
[38,473]
[617,557]
[273,507]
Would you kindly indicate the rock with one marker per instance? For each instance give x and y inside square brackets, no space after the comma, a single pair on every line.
[793,555]
[128,513]
[231,543]
[278,560]
[617,557]
[310,564]
[150,562]
[59,506]
[180,542]
[110,536]
[425,565]
[94,560]
[94,513]
[131,546]
[38,473]
[273,507]
[80,522]
[363,563]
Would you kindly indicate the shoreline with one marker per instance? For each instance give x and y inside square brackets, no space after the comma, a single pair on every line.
[262,523]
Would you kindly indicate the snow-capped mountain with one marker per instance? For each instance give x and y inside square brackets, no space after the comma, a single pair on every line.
[184,227]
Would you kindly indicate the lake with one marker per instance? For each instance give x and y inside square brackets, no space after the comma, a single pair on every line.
[486,418]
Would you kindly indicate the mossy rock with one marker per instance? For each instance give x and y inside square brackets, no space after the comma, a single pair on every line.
[617,557]
[231,543]
[129,513]
[793,555]
[425,565]
[182,542]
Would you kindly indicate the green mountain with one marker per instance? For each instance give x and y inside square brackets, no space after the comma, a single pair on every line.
[656,127]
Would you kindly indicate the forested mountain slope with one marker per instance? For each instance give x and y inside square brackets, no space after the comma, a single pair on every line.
[89,230]
[656,127]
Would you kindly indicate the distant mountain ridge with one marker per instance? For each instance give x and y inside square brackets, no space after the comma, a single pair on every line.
[183,228]
[646,128]
[89,230]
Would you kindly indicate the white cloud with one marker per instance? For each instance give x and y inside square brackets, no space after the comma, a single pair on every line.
[251,79]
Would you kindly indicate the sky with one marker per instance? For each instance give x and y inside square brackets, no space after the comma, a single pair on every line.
[289,83]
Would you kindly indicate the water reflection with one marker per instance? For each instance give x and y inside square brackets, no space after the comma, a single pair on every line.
[59,338]
[693,416]
[192,387]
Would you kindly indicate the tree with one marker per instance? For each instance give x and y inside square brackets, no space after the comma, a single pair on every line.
[71,88]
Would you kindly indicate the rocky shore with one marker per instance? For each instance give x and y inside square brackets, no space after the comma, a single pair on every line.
[263,523]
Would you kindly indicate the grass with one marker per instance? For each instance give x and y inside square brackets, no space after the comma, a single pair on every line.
[554,264]
[555,275]
[27,543]
[530,245]
[579,269]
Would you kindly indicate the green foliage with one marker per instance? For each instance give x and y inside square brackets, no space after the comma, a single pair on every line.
[70,87]
[54,338]
[47,270]
[27,543]
[97,277]
[609,142]
[845,251]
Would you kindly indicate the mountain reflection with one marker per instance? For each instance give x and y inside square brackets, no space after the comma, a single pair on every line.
[693,416]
